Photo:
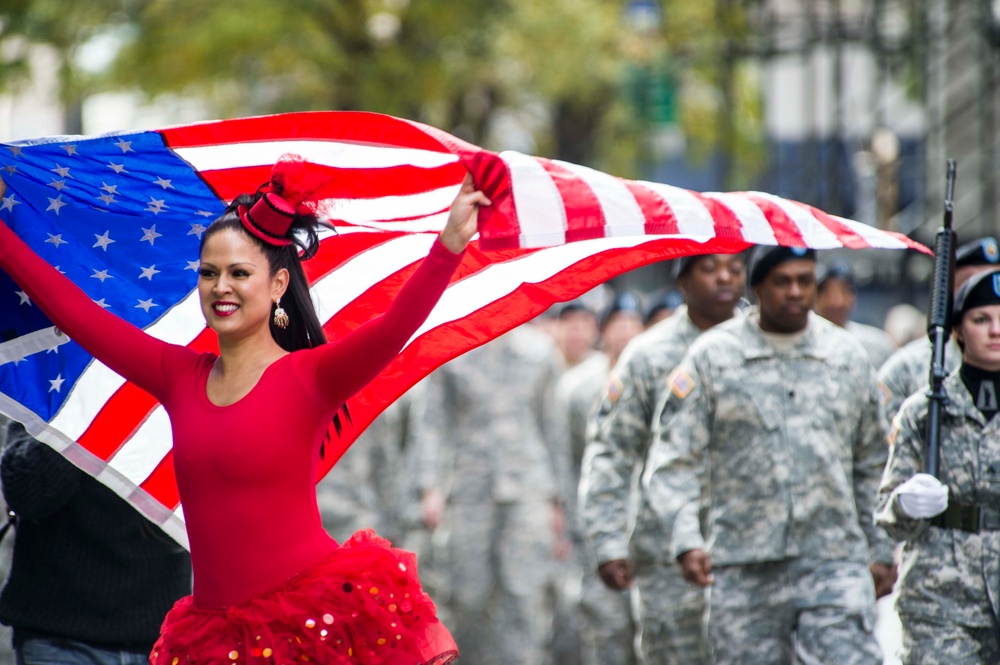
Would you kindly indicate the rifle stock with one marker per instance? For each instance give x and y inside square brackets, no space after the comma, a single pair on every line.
[939,322]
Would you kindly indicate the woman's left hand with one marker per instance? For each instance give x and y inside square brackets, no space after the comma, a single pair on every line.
[463,217]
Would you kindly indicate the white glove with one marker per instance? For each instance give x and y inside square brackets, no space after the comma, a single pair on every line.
[922,496]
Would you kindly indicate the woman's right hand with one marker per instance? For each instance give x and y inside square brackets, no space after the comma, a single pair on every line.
[463,217]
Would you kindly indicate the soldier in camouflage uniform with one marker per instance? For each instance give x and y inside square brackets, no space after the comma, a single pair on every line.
[367,486]
[835,299]
[767,457]
[493,463]
[605,620]
[908,370]
[949,585]
[670,611]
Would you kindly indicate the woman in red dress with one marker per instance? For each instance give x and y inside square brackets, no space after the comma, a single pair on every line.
[270,586]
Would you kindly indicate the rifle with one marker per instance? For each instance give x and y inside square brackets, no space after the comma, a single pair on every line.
[939,322]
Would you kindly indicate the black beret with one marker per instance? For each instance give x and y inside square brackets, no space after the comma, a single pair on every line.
[837,270]
[982,252]
[626,301]
[768,257]
[670,300]
[977,291]
[575,306]
[682,263]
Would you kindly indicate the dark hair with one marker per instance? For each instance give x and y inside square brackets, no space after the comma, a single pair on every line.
[304,329]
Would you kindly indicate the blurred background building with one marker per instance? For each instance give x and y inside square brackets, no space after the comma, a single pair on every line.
[849,105]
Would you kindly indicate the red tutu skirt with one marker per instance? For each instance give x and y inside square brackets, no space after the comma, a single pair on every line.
[363,604]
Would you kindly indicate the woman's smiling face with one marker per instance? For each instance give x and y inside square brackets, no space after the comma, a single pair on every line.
[235,285]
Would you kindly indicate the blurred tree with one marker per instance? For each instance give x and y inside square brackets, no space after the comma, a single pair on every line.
[65,27]
[572,79]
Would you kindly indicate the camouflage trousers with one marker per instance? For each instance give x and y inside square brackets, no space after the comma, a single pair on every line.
[671,616]
[607,633]
[795,610]
[500,567]
[928,641]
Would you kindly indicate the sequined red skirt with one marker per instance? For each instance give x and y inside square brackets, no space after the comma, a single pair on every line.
[361,605]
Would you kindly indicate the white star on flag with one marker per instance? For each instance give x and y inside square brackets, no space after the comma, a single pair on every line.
[148,272]
[55,204]
[150,235]
[56,383]
[103,240]
[24,298]
[145,305]
[56,239]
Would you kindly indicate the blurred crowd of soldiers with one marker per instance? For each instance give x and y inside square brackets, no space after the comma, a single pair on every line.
[555,519]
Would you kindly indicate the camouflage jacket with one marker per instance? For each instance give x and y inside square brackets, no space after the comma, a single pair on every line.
[876,341]
[760,456]
[907,371]
[490,429]
[946,572]
[615,454]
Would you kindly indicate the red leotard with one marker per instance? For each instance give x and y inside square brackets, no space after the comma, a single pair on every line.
[245,471]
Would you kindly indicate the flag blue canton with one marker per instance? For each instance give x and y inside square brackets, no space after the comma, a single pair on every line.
[120,215]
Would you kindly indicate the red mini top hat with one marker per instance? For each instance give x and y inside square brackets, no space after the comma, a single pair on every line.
[269,219]
[293,181]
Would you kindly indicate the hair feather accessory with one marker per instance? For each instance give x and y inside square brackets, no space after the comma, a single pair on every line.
[293,182]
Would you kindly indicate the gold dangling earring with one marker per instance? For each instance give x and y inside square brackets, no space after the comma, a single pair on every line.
[280,315]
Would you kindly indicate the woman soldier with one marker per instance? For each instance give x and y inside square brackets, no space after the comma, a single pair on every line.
[950,574]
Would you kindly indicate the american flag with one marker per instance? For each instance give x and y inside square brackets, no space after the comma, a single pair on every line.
[122,216]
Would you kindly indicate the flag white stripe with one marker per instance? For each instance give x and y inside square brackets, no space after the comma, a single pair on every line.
[540,212]
[361,211]
[754,224]
[31,343]
[329,153]
[693,218]
[622,214]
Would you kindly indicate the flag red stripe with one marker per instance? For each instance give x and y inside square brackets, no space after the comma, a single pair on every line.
[584,216]
[162,483]
[353,126]
[727,223]
[345,183]
[660,219]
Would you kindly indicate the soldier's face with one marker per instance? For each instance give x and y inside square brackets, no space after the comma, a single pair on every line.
[979,331]
[835,301]
[714,284]
[787,295]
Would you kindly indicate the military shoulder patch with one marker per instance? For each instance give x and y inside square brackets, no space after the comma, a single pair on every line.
[681,384]
[614,389]
[885,393]
[895,431]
